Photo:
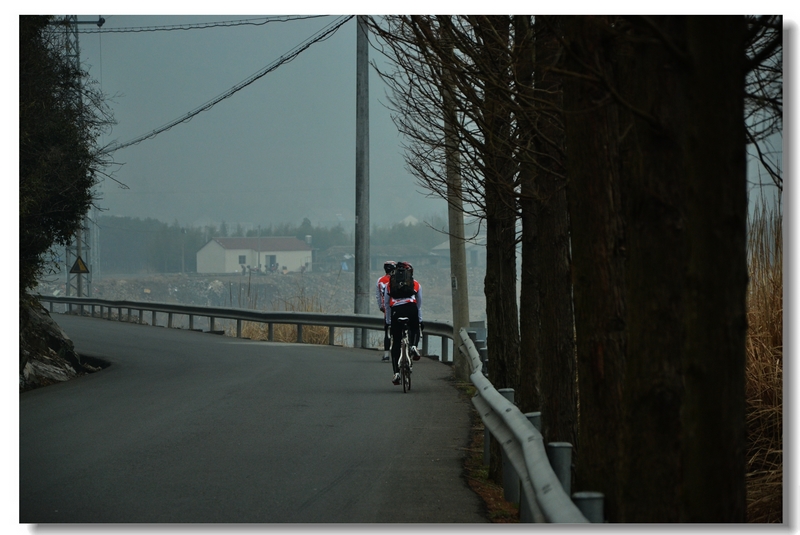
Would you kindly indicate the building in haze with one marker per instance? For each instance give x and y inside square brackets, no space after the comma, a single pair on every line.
[267,254]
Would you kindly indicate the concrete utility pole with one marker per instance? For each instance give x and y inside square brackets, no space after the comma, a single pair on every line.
[455,219]
[362,282]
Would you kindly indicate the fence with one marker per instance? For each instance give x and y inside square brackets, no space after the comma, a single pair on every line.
[527,464]
[443,330]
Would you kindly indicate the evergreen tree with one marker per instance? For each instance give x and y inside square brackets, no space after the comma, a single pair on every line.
[59,122]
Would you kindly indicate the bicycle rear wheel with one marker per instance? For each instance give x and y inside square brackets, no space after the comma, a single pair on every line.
[405,375]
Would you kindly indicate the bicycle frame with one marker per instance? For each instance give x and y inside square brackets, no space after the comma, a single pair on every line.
[404,362]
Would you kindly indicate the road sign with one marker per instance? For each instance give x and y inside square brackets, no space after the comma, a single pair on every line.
[79,267]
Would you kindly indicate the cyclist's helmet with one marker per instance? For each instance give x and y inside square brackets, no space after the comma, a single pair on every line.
[408,266]
[389,266]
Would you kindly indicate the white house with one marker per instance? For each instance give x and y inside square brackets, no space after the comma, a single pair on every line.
[226,255]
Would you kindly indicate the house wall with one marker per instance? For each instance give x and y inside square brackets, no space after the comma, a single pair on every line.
[213,258]
[293,260]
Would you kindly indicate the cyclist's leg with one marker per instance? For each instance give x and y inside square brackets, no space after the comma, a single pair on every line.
[413,333]
[397,334]
[387,341]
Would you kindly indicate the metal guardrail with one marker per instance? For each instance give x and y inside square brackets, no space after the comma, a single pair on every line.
[542,492]
[332,321]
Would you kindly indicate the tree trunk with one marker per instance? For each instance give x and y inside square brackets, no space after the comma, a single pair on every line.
[527,397]
[598,256]
[500,284]
[556,348]
[713,416]
[652,168]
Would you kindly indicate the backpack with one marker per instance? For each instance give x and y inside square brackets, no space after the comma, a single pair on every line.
[401,283]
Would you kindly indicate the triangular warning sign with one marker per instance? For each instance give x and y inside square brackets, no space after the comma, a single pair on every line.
[79,267]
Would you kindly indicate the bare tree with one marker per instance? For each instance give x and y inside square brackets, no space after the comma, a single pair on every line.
[550,277]
[475,52]
[511,136]
[764,91]
[653,133]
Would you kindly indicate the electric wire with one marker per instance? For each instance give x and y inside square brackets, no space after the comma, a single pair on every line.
[260,21]
[322,35]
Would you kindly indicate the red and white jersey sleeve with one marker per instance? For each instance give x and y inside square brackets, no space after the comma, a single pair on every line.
[380,286]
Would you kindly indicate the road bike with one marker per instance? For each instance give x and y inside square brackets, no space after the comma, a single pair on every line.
[404,362]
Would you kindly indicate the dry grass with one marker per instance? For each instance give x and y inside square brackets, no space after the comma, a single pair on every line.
[301,301]
[765,368]
[498,510]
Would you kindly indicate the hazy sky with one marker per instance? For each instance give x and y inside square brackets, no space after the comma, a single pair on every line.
[279,150]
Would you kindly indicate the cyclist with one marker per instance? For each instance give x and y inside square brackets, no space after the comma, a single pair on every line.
[388,267]
[399,306]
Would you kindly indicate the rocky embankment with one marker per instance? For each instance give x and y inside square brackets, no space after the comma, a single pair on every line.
[46,354]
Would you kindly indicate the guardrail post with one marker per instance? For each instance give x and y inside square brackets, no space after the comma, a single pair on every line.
[331,332]
[425,343]
[169,320]
[487,443]
[238,328]
[51,307]
[153,318]
[590,504]
[270,332]
[141,314]
[560,456]
[525,514]
[446,349]
[191,322]
[510,476]
[535,418]
[300,333]
[211,324]
[484,354]
[473,335]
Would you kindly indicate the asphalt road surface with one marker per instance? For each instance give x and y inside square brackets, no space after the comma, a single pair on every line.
[187,427]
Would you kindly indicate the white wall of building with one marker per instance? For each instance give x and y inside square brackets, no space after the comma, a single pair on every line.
[213,258]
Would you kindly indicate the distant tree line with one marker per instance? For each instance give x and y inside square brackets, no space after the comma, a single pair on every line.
[134,245]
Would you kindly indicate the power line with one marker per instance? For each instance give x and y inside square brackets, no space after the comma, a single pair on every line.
[322,35]
[260,21]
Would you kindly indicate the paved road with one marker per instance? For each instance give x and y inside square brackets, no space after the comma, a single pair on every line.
[196,428]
